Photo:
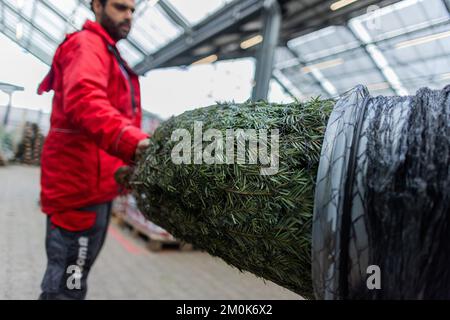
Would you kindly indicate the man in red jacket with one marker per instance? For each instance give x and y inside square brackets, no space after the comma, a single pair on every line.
[95,129]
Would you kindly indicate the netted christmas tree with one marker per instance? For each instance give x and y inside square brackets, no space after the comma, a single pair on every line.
[6,146]
[253,206]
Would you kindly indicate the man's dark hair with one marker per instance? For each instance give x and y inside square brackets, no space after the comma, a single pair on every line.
[103,2]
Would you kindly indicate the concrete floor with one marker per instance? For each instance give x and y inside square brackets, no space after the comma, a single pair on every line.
[124,270]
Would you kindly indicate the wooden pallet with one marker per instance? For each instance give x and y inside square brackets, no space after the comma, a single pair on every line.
[153,242]
[2,161]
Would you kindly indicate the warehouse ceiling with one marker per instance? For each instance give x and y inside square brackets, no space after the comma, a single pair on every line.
[40,25]
[395,50]
[326,47]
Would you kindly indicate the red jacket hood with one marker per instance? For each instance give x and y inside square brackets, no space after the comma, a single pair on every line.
[97,28]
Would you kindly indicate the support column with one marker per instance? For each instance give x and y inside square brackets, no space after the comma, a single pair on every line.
[266,53]
[8,109]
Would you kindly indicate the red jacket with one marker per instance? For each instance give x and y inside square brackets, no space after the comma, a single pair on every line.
[95,121]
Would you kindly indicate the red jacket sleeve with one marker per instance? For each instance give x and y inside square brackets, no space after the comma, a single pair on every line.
[86,69]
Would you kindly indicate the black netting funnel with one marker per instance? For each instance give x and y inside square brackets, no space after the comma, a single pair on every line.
[382,198]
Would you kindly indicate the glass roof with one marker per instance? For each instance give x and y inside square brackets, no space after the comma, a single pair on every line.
[196,11]
[393,50]
[40,25]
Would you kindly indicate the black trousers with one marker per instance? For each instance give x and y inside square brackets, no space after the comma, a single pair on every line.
[70,256]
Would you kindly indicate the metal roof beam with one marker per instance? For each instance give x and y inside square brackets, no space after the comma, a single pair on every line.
[67,20]
[374,53]
[447,5]
[33,17]
[266,52]
[376,42]
[287,85]
[28,21]
[175,15]
[317,76]
[225,18]
[34,50]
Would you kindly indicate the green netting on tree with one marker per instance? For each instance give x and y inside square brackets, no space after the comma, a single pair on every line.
[257,223]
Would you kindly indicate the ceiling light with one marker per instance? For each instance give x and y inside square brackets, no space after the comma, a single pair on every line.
[445,76]
[251,42]
[322,65]
[209,59]
[19,31]
[399,6]
[340,4]
[422,40]
[378,86]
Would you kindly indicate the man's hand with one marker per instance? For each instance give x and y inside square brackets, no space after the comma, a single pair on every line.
[122,175]
[141,147]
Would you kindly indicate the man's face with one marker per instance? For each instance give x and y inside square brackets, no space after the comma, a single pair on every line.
[116,17]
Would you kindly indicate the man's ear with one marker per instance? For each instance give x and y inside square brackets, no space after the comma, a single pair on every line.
[97,6]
